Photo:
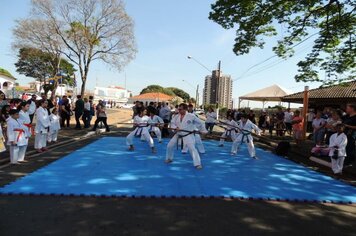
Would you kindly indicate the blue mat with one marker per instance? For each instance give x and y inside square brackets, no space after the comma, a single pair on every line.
[105,167]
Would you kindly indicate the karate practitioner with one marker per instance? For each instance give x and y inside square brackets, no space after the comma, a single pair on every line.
[198,143]
[155,122]
[230,130]
[141,129]
[184,125]
[54,127]
[245,128]
[337,145]
[25,117]
[42,127]
[17,135]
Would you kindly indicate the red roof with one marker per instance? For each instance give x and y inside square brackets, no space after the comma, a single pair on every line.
[152,96]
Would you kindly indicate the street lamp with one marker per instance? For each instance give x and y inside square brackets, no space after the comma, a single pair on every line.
[192,58]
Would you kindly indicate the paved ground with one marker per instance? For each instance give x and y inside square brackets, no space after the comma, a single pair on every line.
[49,215]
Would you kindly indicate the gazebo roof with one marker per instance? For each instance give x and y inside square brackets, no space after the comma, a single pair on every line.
[330,95]
[272,93]
[6,73]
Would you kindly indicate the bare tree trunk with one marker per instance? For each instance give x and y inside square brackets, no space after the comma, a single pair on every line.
[82,92]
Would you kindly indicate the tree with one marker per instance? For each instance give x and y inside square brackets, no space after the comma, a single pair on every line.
[180,93]
[42,66]
[89,30]
[38,34]
[157,89]
[332,21]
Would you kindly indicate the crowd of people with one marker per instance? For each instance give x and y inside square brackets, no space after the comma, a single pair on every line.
[21,119]
[333,129]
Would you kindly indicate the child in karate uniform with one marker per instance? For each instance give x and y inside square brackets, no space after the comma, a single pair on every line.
[245,128]
[25,117]
[54,126]
[17,135]
[141,129]
[155,122]
[42,127]
[230,130]
[337,145]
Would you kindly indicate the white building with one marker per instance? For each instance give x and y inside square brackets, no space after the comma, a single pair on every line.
[7,82]
[62,89]
[112,93]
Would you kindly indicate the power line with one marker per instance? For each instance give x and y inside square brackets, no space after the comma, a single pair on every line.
[269,58]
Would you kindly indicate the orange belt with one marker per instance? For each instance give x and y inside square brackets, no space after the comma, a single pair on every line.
[21,131]
[30,128]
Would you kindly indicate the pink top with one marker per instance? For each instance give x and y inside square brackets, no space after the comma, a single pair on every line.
[297,122]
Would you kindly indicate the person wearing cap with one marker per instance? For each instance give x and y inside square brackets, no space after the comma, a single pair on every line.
[42,127]
[17,135]
[245,128]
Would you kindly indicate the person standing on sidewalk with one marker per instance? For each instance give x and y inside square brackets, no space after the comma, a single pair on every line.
[86,115]
[79,111]
[33,107]
[165,114]
[65,111]
[101,116]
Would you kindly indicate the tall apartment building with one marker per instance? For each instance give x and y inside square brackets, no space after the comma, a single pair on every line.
[218,89]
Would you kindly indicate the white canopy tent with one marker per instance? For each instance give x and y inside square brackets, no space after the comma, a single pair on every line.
[272,93]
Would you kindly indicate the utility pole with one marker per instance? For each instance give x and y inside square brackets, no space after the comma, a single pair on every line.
[197,97]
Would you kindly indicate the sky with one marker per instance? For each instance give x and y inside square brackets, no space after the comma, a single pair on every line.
[166,33]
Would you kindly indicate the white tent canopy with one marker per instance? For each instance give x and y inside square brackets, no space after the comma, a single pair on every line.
[272,93]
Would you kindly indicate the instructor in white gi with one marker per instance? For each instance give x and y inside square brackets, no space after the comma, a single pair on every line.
[184,125]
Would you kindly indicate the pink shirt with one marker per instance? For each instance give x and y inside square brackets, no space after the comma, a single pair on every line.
[297,123]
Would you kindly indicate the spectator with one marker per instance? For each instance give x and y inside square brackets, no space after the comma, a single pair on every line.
[33,106]
[288,116]
[297,127]
[79,110]
[350,131]
[5,113]
[165,114]
[318,129]
[65,112]
[210,120]
[24,97]
[252,117]
[87,112]
[3,100]
[101,116]
[280,126]
[310,118]
[263,121]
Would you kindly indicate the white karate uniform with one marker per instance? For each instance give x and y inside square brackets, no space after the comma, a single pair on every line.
[339,140]
[42,126]
[54,127]
[230,131]
[153,121]
[142,131]
[198,143]
[17,132]
[244,136]
[189,123]
[26,121]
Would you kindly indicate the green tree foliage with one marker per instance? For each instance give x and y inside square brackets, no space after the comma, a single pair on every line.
[332,22]
[172,91]
[180,93]
[42,65]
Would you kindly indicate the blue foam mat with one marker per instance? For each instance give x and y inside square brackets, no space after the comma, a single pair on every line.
[105,167]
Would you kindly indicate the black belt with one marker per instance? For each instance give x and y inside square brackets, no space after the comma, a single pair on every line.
[180,137]
[245,135]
